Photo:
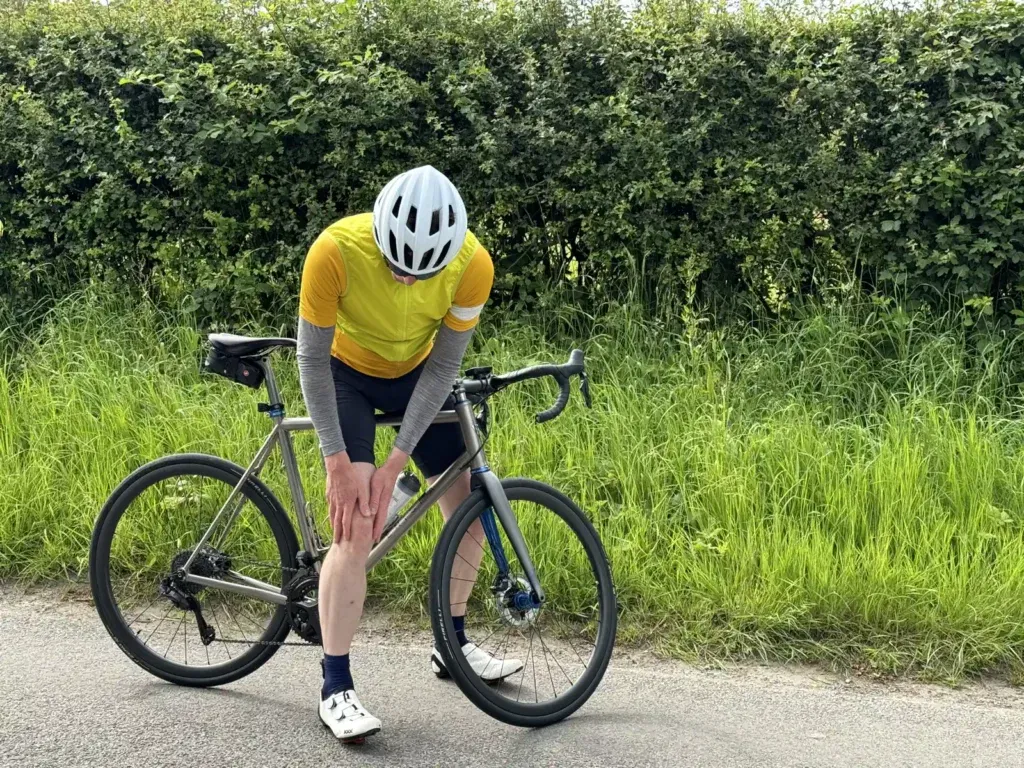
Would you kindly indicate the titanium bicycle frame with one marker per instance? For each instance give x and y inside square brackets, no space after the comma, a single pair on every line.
[473,459]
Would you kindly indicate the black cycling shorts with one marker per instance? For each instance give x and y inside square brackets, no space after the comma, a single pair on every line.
[359,395]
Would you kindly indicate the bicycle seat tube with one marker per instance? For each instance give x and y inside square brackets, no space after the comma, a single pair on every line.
[310,537]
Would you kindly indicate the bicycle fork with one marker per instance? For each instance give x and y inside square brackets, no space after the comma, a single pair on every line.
[499,507]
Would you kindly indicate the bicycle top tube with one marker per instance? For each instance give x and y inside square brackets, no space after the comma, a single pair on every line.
[303,423]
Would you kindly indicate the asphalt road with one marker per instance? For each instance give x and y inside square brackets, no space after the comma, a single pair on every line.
[68,697]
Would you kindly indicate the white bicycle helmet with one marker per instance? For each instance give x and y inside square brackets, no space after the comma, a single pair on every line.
[419,222]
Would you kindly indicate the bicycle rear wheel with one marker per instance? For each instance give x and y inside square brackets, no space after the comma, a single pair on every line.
[148,529]
[565,644]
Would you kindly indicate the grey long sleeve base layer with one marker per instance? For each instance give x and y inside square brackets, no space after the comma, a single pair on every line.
[314,357]
[432,389]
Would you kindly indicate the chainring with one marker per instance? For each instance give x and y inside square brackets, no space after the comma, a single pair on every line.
[302,606]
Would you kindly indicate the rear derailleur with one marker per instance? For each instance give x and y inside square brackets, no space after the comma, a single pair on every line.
[177,592]
[208,562]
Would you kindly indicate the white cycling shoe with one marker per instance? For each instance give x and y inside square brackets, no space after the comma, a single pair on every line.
[489,668]
[347,718]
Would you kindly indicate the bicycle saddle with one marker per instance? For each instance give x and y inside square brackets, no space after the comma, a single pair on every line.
[240,346]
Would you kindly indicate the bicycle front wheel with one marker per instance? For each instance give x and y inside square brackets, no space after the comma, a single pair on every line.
[550,657]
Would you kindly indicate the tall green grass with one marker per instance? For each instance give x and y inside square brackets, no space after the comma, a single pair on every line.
[848,488]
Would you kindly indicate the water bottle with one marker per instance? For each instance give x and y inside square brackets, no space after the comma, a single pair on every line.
[407,486]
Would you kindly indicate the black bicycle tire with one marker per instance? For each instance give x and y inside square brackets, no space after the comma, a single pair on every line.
[99,552]
[476,690]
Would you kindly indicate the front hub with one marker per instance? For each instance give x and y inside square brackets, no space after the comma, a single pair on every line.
[515,601]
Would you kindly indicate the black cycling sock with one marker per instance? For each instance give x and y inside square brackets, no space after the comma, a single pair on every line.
[337,677]
[460,629]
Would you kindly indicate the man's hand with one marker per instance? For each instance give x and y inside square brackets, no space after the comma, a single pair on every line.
[383,485]
[348,492]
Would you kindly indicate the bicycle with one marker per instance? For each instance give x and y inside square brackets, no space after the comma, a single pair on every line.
[240,566]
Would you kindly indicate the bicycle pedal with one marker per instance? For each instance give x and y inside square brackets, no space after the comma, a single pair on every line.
[358,741]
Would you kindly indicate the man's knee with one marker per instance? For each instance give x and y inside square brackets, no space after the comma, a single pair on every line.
[360,535]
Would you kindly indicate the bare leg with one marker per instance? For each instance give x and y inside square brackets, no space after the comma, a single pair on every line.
[343,585]
[464,570]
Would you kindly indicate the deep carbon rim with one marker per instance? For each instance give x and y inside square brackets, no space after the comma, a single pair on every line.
[519,700]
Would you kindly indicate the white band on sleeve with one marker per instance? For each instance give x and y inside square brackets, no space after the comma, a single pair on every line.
[466,313]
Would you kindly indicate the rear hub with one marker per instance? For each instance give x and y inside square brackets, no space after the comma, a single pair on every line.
[210,562]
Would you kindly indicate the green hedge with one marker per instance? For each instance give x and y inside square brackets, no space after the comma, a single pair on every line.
[690,158]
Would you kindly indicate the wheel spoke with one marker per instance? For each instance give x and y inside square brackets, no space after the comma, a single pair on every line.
[535,687]
[138,616]
[253,623]
[558,664]
[474,538]
[568,640]
[526,663]
[503,646]
[169,609]
[232,617]
[482,643]
[475,568]
[176,630]
[220,633]
[544,652]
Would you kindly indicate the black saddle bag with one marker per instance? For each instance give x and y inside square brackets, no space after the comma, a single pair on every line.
[243,370]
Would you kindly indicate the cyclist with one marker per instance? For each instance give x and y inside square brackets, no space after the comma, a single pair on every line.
[387,308]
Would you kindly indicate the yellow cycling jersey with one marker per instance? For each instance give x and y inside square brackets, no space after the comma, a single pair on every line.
[381,327]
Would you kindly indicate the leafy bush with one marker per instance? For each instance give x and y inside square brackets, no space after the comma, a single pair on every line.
[689,158]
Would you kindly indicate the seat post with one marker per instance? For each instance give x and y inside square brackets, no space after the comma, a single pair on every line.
[276,410]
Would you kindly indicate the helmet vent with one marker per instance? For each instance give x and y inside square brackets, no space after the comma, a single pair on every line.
[394,247]
[398,204]
[444,252]
[425,261]
[411,221]
[408,258]
[435,222]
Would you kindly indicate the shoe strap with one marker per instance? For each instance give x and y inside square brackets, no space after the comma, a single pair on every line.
[345,706]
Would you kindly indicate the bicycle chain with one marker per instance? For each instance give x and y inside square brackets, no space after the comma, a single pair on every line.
[278,643]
